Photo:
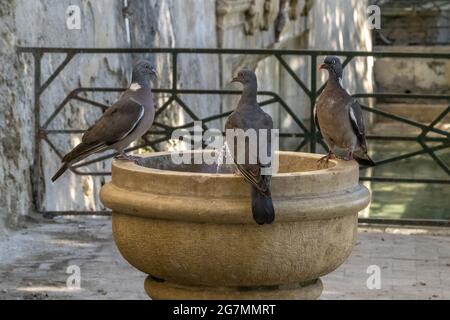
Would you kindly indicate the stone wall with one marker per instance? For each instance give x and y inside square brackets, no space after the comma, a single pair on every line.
[16,124]
[419,76]
[102,25]
[419,23]
[153,23]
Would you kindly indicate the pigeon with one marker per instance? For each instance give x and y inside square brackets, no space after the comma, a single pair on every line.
[249,116]
[339,118]
[125,121]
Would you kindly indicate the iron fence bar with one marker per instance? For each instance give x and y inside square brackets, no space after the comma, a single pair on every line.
[267,102]
[408,155]
[91,102]
[402,95]
[52,214]
[164,106]
[434,122]
[218,116]
[405,120]
[174,73]
[207,119]
[52,146]
[306,52]
[405,138]
[162,125]
[58,70]
[404,180]
[292,74]
[189,111]
[291,113]
[435,157]
[57,110]
[36,185]
[440,117]
[302,144]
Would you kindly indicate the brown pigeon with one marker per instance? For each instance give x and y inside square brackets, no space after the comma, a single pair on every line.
[248,116]
[339,117]
[125,121]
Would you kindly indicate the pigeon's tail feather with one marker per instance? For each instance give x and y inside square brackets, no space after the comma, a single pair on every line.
[365,160]
[262,207]
[61,170]
[78,153]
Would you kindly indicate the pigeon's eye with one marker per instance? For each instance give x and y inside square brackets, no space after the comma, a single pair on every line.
[333,61]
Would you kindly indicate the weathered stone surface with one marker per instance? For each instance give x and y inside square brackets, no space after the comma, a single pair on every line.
[204,235]
[419,76]
[102,25]
[16,124]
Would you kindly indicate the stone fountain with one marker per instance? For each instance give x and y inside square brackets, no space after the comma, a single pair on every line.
[191,230]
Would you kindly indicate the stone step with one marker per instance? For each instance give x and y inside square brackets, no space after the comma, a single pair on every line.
[421,112]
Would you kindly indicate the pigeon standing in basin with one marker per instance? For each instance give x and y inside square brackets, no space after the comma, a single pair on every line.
[249,116]
[125,121]
[339,117]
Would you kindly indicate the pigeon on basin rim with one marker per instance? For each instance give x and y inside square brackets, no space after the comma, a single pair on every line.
[125,121]
[339,117]
[248,115]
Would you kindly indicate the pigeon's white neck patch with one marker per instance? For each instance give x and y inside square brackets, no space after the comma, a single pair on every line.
[342,86]
[135,86]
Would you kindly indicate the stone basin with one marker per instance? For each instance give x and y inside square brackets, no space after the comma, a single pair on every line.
[191,229]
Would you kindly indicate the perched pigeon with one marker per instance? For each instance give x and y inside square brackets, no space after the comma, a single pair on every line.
[125,121]
[249,116]
[339,117]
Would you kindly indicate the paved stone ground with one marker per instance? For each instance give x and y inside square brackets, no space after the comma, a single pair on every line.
[414,263]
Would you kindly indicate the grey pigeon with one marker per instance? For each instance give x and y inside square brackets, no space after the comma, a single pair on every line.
[125,121]
[339,117]
[249,116]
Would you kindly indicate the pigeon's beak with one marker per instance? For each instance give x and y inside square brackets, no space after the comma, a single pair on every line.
[154,73]
[323,66]
[235,79]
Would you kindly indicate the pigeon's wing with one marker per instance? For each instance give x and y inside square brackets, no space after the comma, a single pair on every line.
[267,124]
[116,123]
[252,174]
[357,121]
[316,120]
[252,171]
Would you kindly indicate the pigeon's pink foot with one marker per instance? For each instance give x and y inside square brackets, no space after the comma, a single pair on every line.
[349,157]
[125,157]
[236,172]
[326,158]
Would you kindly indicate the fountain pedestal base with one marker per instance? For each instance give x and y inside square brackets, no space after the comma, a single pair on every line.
[163,290]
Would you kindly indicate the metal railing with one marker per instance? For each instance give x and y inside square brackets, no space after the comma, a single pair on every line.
[310,136]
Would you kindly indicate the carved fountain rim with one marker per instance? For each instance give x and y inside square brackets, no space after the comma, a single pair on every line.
[336,166]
